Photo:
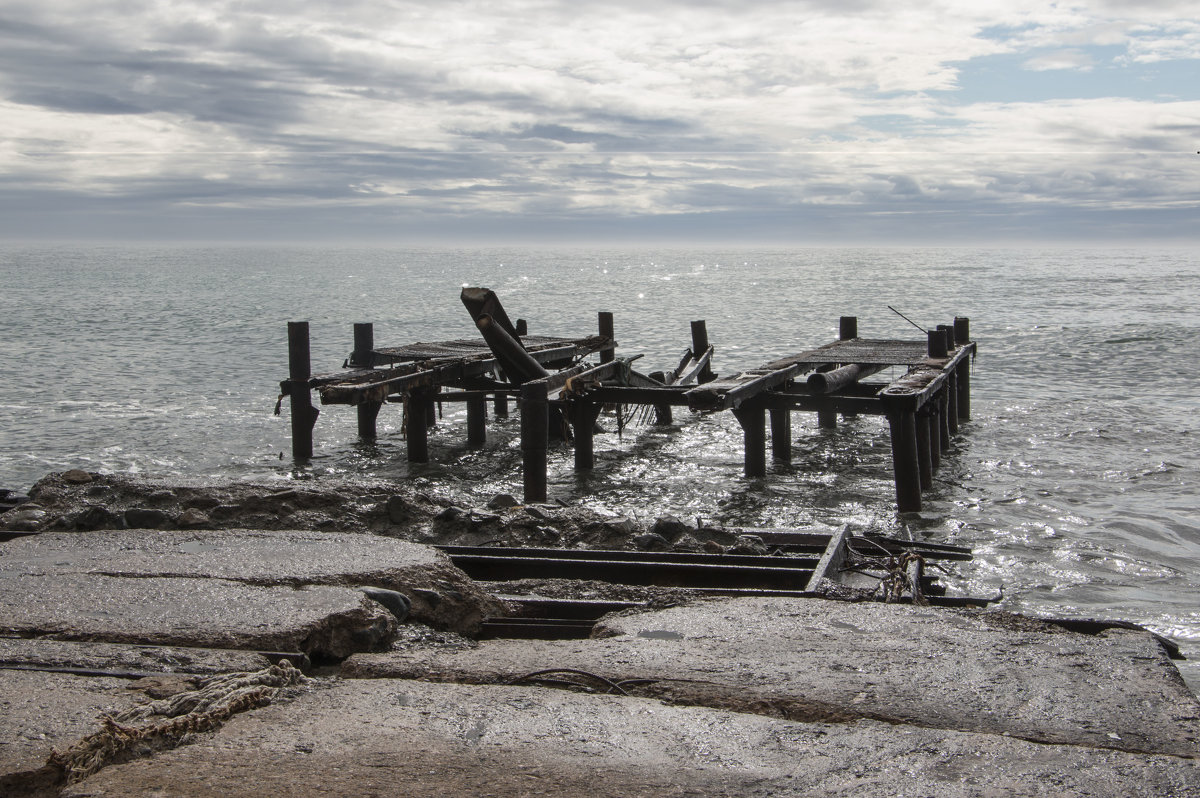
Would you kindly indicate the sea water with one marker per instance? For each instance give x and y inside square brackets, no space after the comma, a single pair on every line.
[1076,481]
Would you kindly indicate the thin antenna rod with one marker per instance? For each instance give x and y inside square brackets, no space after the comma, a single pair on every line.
[907,319]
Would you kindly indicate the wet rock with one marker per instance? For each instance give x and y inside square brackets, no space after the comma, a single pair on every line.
[503,501]
[76,477]
[623,527]
[147,518]
[670,527]
[688,543]
[714,534]
[398,510]
[367,737]
[92,517]
[749,544]
[649,541]
[24,519]
[396,603]
[450,514]
[201,502]
[192,518]
[538,511]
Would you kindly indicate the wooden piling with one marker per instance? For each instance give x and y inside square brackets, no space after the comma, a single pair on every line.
[364,346]
[935,435]
[583,422]
[904,461]
[962,335]
[848,327]
[952,403]
[699,347]
[944,418]
[368,412]
[924,457]
[431,406]
[304,415]
[476,421]
[936,343]
[753,419]
[827,419]
[781,434]
[607,329]
[416,430]
[535,436]
[500,405]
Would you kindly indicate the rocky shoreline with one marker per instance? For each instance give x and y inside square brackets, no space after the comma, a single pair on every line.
[203,596]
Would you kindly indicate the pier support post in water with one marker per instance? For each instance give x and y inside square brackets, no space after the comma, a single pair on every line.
[936,343]
[944,418]
[904,460]
[847,327]
[606,328]
[535,436]
[476,421]
[415,428]
[781,434]
[962,335]
[583,421]
[952,402]
[500,405]
[932,410]
[827,419]
[363,357]
[699,347]
[304,415]
[753,419]
[924,457]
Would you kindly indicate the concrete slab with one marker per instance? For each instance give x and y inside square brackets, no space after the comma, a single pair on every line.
[441,595]
[804,659]
[130,659]
[383,738]
[41,711]
[204,613]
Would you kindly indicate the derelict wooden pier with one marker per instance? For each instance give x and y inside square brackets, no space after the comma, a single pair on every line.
[562,392]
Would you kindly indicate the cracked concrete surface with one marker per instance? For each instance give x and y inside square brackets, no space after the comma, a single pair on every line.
[985,672]
[391,737]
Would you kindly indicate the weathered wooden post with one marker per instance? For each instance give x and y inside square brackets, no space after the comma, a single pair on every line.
[944,418]
[364,345]
[416,430]
[753,419]
[363,357]
[781,434]
[304,415]
[608,330]
[905,463]
[583,421]
[535,437]
[936,344]
[847,328]
[699,347]
[962,335]
[935,434]
[500,405]
[476,420]
[431,406]
[522,327]
[662,412]
[924,458]
[952,402]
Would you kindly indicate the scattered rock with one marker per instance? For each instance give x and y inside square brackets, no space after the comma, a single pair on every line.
[503,501]
[24,519]
[537,512]
[192,518]
[93,516]
[670,527]
[398,510]
[749,544]
[649,541]
[76,477]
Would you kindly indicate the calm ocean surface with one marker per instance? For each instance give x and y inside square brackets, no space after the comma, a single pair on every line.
[1076,481]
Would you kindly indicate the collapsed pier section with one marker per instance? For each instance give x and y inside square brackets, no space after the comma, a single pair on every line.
[561,394]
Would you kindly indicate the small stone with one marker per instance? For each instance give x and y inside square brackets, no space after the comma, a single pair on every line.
[749,544]
[621,526]
[537,512]
[397,509]
[670,527]
[712,547]
[449,514]
[192,518]
[502,501]
[95,517]
[165,686]
[76,476]
[26,519]
[651,541]
[688,543]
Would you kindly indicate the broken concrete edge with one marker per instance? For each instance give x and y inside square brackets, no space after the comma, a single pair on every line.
[134,734]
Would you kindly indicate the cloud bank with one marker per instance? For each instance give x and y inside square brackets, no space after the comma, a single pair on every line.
[840,122]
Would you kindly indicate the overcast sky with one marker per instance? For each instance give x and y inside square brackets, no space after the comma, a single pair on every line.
[826,122]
